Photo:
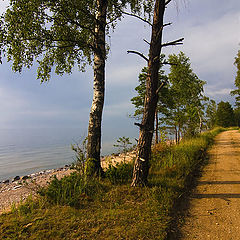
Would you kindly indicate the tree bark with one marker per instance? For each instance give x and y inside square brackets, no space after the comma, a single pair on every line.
[141,165]
[95,118]
[156,119]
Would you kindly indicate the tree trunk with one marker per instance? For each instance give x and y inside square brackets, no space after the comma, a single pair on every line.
[156,119]
[176,134]
[141,165]
[95,118]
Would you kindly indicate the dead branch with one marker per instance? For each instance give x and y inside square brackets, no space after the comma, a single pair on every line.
[161,86]
[173,43]
[167,2]
[136,16]
[168,63]
[139,125]
[167,24]
[139,54]
[146,41]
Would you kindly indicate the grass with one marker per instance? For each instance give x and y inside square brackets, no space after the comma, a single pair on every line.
[77,208]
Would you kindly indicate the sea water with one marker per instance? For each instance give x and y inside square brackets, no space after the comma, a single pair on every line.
[25,151]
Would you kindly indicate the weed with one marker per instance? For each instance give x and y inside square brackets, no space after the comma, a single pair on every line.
[119,174]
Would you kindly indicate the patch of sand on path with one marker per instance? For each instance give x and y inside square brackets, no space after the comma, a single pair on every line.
[214,211]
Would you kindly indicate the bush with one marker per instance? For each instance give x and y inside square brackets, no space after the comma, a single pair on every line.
[119,174]
[72,190]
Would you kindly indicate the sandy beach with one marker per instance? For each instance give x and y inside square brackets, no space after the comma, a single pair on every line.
[17,191]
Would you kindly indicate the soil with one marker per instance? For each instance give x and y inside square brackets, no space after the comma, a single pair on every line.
[214,207]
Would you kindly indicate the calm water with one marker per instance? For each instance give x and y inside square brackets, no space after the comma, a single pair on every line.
[25,151]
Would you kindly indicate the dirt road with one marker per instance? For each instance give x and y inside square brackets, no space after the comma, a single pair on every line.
[214,211]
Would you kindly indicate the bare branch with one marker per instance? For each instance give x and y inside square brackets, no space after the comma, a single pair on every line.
[139,54]
[161,86]
[136,16]
[146,41]
[176,42]
[167,2]
[139,125]
[168,63]
[167,24]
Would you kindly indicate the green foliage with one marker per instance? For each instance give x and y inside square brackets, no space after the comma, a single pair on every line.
[119,174]
[237,116]
[55,34]
[74,190]
[80,155]
[225,115]
[173,166]
[163,99]
[211,112]
[237,80]
[90,167]
[187,95]
[123,143]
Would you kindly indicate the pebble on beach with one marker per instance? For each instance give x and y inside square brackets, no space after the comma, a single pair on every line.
[16,179]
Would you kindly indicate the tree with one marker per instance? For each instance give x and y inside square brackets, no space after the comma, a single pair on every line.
[186,115]
[211,112]
[237,81]
[163,97]
[61,34]
[123,143]
[237,116]
[224,115]
[141,165]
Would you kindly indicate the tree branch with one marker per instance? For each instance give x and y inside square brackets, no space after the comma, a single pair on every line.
[136,16]
[146,41]
[139,125]
[161,86]
[139,54]
[113,20]
[168,63]
[167,24]
[167,2]
[176,42]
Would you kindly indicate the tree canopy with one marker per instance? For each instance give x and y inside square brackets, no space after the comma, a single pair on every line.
[187,95]
[224,115]
[237,80]
[58,34]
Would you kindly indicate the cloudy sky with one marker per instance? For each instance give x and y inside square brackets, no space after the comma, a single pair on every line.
[212,35]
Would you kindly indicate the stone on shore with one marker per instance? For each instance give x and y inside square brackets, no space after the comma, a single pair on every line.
[16,178]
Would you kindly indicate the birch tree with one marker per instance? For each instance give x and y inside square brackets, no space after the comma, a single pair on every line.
[59,35]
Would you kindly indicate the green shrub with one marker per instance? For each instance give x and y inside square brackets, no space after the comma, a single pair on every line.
[119,174]
[73,190]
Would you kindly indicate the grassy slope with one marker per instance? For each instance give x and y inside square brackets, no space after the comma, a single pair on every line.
[115,211]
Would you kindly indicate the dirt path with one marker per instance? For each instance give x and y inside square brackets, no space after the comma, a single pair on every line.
[214,211]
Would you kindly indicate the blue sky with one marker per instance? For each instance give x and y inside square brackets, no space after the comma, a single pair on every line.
[212,35]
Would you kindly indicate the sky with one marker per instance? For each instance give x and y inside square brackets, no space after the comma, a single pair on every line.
[212,36]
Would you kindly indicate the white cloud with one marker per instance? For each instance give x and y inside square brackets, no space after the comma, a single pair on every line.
[3,5]
[213,46]
[216,92]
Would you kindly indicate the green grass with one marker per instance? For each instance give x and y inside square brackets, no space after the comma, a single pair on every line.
[79,208]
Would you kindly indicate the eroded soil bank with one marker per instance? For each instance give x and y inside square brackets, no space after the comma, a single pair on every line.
[214,211]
